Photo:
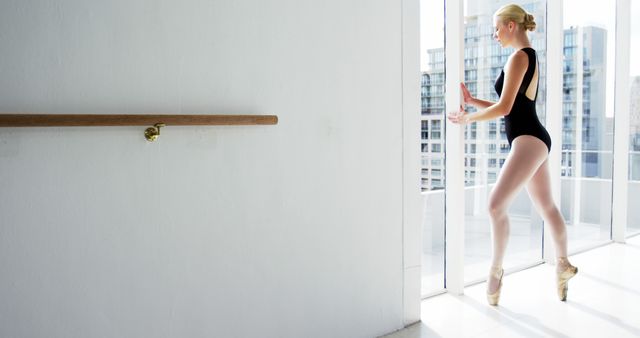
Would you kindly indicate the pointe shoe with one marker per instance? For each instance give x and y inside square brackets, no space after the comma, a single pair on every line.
[493,298]
[562,280]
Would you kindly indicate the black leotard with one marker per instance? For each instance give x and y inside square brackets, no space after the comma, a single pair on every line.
[523,119]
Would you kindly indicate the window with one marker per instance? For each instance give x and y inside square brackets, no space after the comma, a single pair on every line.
[587,153]
[433,108]
[491,148]
[473,130]
[425,130]
[585,145]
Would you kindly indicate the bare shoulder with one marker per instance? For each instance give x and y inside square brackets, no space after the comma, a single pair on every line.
[518,61]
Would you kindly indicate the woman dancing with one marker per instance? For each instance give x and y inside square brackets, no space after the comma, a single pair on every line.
[526,165]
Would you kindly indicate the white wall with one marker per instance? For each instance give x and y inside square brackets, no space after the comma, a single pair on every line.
[292,230]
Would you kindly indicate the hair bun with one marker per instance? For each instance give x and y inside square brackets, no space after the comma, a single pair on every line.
[529,22]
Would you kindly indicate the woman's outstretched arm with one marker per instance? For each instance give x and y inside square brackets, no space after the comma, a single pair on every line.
[468,99]
[515,69]
[481,103]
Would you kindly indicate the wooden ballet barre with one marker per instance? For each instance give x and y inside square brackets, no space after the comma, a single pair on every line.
[151,133]
[98,120]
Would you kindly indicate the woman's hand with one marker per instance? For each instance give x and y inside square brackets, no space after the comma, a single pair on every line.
[459,117]
[465,94]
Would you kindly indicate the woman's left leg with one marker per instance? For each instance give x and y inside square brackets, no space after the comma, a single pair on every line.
[526,156]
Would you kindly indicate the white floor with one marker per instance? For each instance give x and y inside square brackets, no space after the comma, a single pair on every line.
[603,301]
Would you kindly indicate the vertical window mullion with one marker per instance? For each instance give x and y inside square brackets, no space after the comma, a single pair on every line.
[555,41]
[619,210]
[454,136]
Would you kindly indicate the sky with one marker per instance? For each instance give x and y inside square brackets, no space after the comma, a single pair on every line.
[431,27]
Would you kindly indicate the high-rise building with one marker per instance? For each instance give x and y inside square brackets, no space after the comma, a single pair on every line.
[584,93]
[635,114]
[432,122]
[634,129]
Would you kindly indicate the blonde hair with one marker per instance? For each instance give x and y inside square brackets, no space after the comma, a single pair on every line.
[517,14]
